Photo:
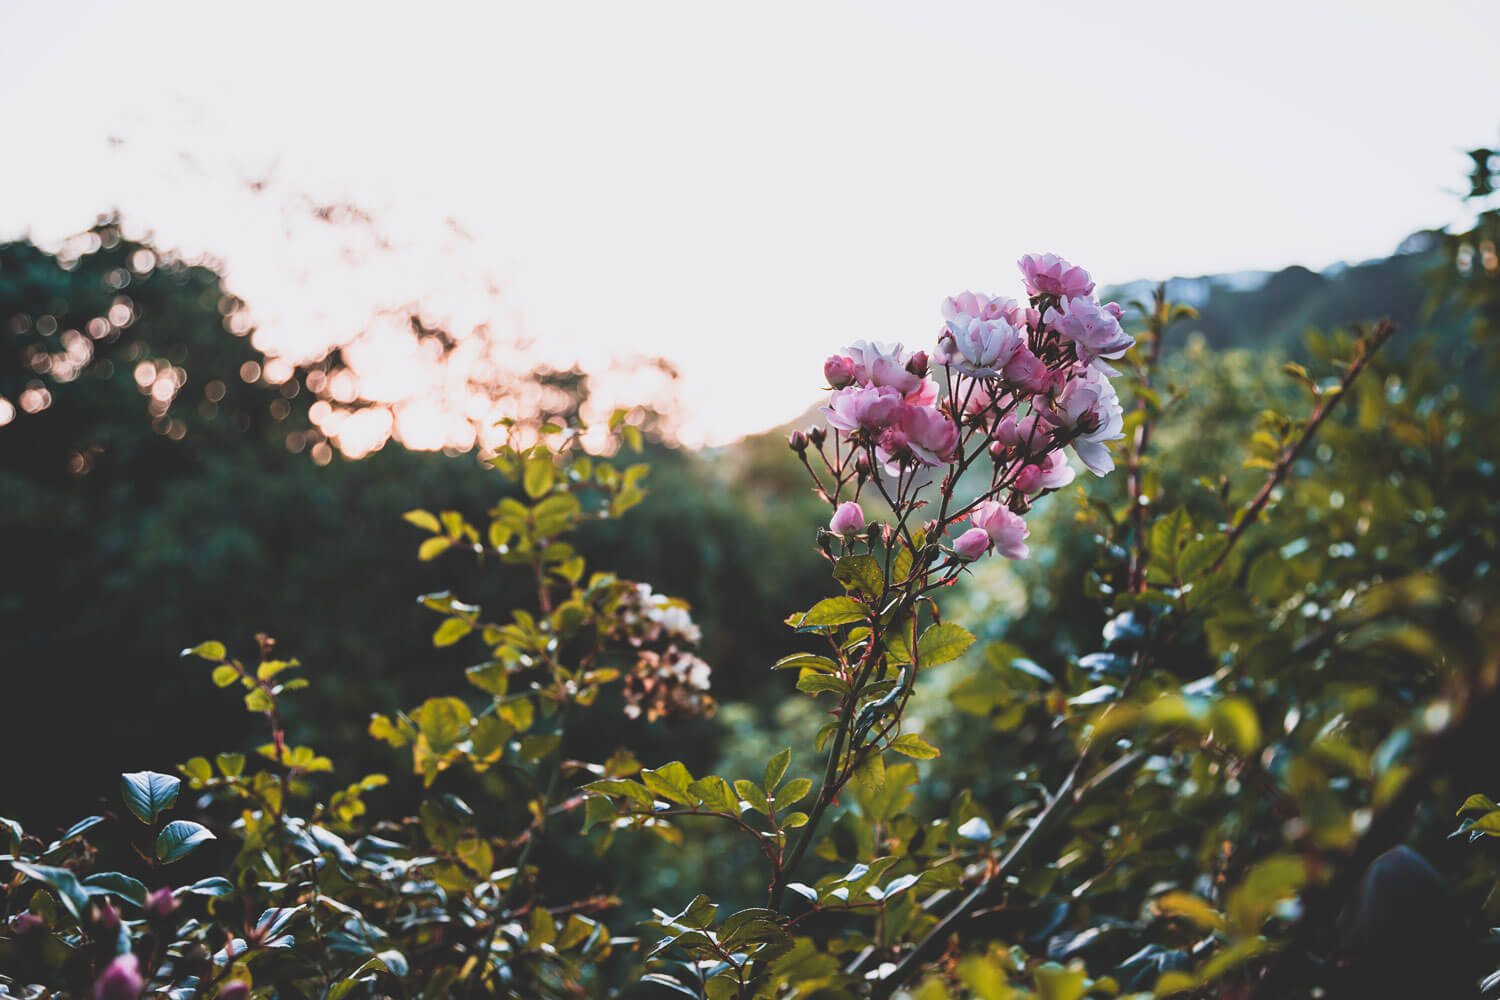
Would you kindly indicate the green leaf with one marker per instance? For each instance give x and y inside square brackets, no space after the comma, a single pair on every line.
[124,886]
[1235,724]
[452,630]
[1198,556]
[148,794]
[860,573]
[806,661]
[443,722]
[714,793]
[1481,802]
[671,781]
[828,612]
[211,886]
[63,881]
[597,809]
[750,792]
[180,838]
[207,650]
[1167,537]
[775,769]
[914,746]
[432,548]
[540,474]
[792,792]
[814,683]
[1190,907]
[942,643]
[871,773]
[422,519]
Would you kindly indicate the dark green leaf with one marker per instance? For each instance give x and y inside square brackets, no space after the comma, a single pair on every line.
[180,838]
[148,794]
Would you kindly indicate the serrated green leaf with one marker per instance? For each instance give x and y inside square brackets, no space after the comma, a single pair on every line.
[180,838]
[913,745]
[775,769]
[942,643]
[814,683]
[829,612]
[148,793]
[860,573]
[806,661]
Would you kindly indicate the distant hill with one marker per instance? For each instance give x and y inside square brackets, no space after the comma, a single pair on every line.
[1272,310]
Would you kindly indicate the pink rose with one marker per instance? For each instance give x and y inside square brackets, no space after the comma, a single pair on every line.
[847,519]
[1029,479]
[1056,472]
[1026,371]
[882,365]
[120,980]
[839,371]
[863,408]
[1028,434]
[976,346]
[972,544]
[1094,329]
[1005,528]
[1049,274]
[930,435]
[1089,407]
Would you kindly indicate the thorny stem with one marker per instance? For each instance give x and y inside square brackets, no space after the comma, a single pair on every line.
[1156,323]
[1069,795]
[1368,346]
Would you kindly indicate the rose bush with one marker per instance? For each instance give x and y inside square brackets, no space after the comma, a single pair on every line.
[1294,658]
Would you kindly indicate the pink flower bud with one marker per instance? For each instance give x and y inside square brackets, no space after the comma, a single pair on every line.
[797,441]
[972,544]
[1029,479]
[862,465]
[120,980]
[107,919]
[26,922]
[817,436]
[160,903]
[839,371]
[847,519]
[917,364]
[999,451]
[1005,528]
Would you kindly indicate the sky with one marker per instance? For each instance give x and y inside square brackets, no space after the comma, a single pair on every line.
[743,188]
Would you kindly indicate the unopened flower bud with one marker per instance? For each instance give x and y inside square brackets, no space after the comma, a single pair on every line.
[106,919]
[120,980]
[839,371]
[847,519]
[1029,479]
[998,451]
[862,465]
[817,435]
[917,364]
[797,441]
[235,989]
[972,544]
[160,903]
[26,922]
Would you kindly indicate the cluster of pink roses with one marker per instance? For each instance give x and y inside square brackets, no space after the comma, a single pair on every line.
[1020,381]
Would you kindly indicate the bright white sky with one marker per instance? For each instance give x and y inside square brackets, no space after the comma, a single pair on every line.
[740,188]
